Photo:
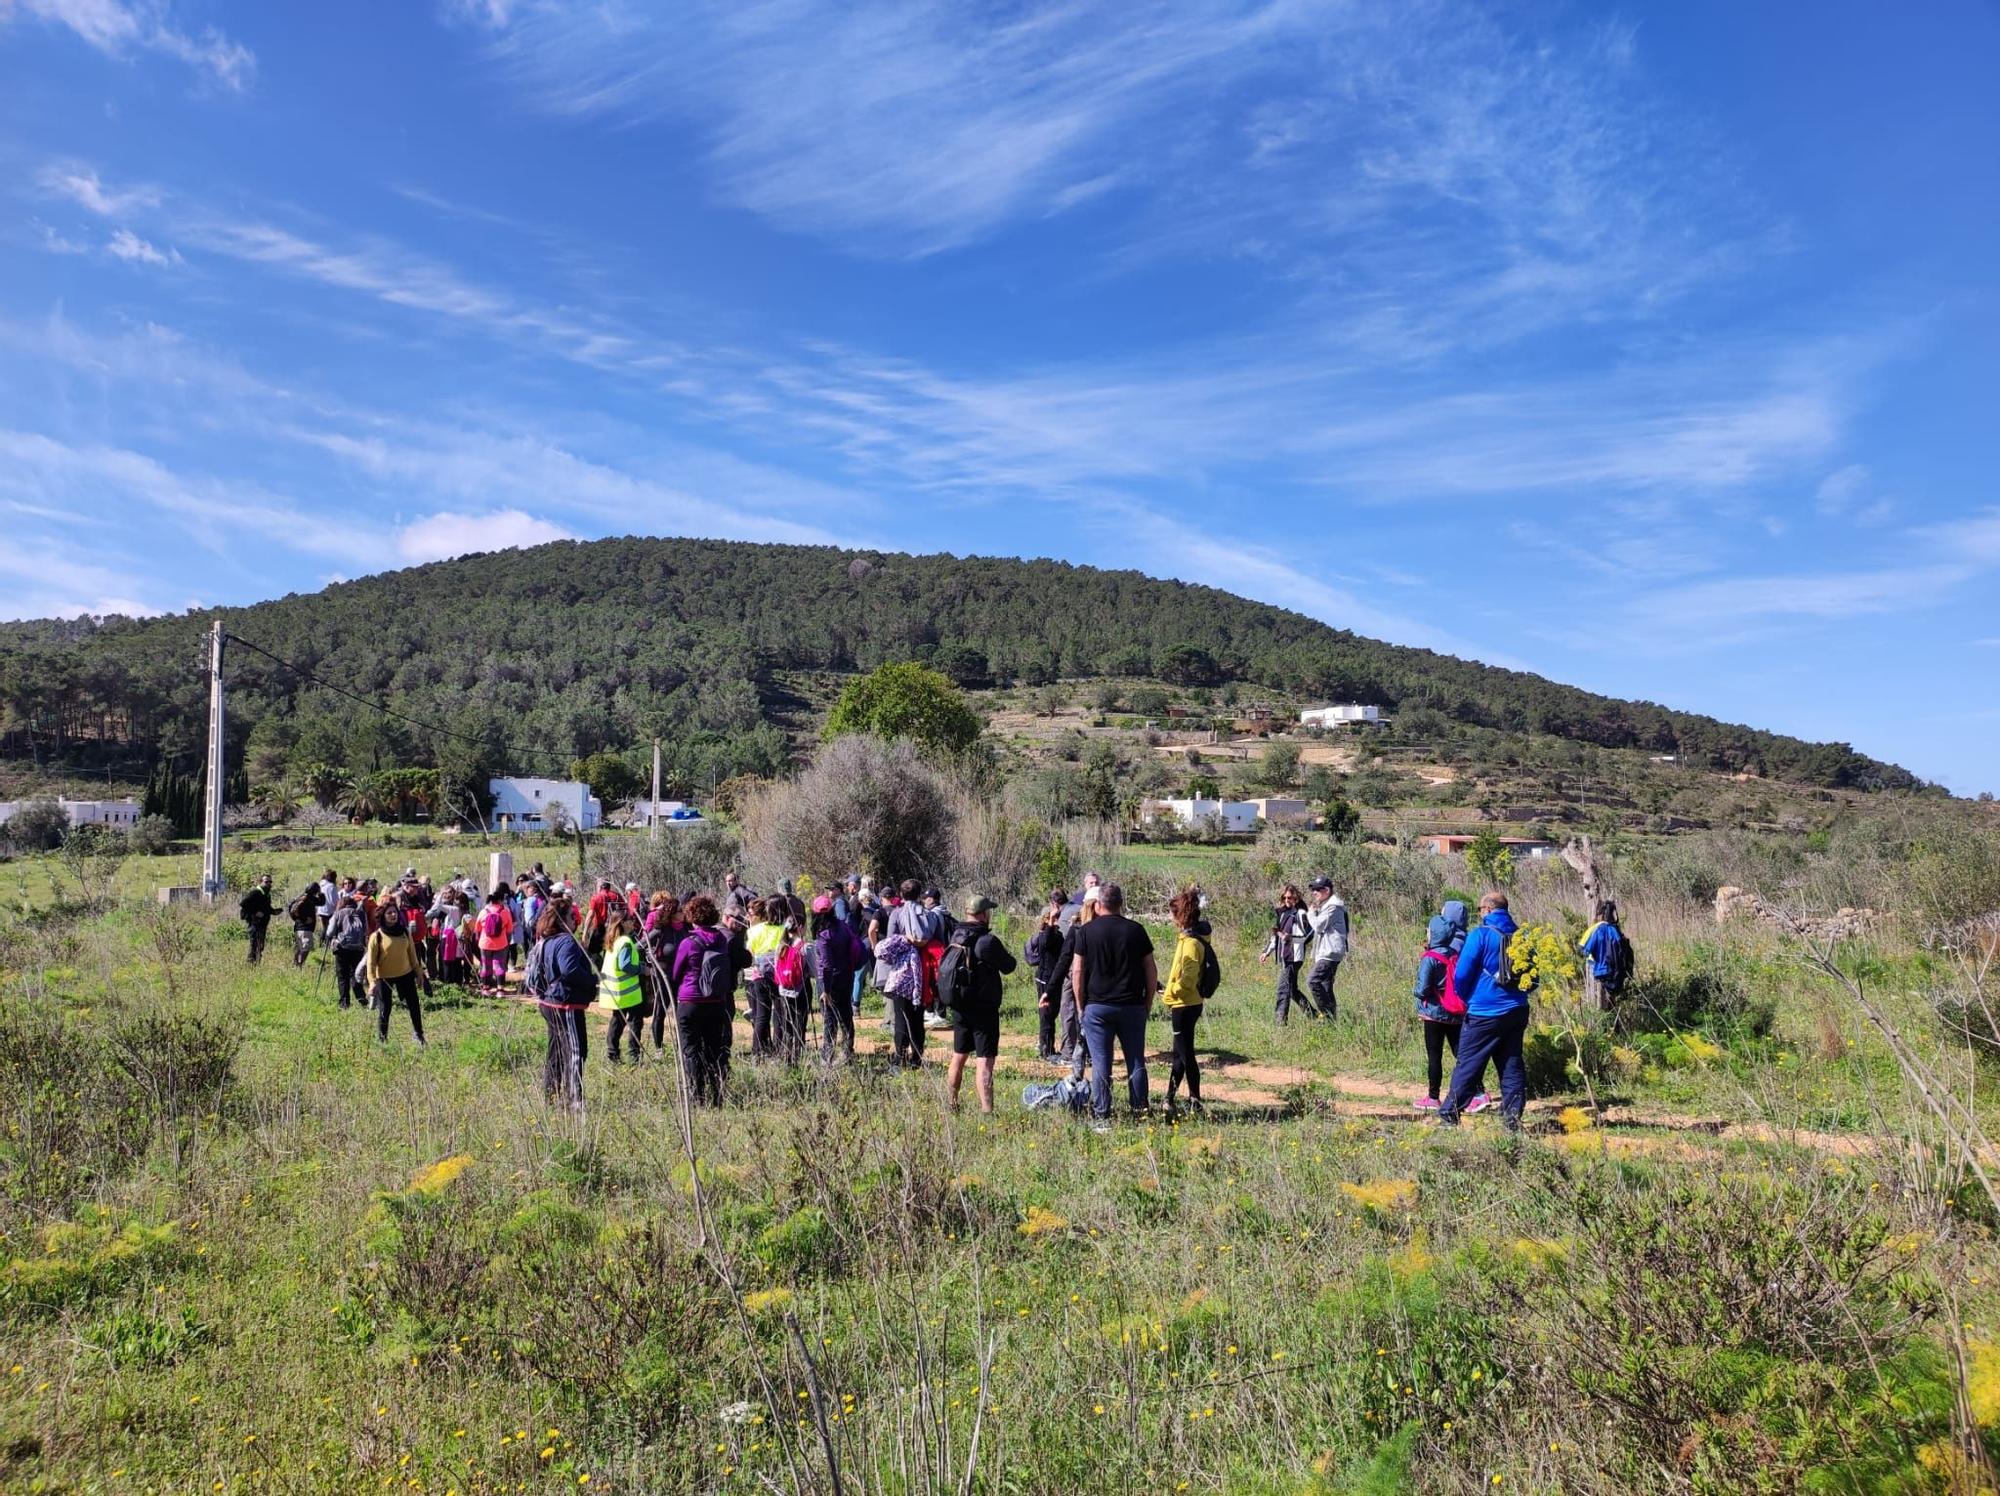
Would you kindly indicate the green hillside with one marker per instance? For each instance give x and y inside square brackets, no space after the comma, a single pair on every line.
[534,658]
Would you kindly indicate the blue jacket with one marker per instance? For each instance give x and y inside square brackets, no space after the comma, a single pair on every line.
[1601,945]
[1478,973]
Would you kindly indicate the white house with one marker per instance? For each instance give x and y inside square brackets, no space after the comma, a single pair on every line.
[1235,815]
[122,814]
[521,804]
[1341,715]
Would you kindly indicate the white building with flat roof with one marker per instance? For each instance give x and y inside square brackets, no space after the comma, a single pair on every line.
[1235,815]
[522,804]
[122,814]
[1343,714]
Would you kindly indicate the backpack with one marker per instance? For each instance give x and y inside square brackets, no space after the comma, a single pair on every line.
[954,978]
[494,922]
[1622,963]
[789,970]
[295,910]
[715,975]
[1210,979]
[931,956]
[1447,996]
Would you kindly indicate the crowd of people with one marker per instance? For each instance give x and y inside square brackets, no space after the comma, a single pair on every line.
[1095,972]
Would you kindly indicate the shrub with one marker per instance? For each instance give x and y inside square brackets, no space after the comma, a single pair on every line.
[36,826]
[1715,997]
[152,835]
[679,858]
[865,805]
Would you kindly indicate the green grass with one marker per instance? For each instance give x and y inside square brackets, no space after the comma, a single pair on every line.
[270,1283]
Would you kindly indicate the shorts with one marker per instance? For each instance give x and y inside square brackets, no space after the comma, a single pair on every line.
[977,1034]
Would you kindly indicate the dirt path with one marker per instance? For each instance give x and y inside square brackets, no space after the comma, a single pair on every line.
[1254,1086]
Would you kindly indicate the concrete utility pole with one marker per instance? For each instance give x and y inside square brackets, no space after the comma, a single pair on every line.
[211,843]
[653,811]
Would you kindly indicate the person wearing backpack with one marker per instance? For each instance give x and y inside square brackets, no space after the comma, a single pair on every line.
[665,929]
[792,983]
[1192,980]
[620,984]
[496,937]
[835,956]
[563,984]
[704,982]
[1610,953]
[1440,1007]
[303,912]
[1496,1017]
[255,911]
[969,986]
[347,938]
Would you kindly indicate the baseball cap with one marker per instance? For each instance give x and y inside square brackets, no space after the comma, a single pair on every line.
[822,903]
[1322,882]
[978,904]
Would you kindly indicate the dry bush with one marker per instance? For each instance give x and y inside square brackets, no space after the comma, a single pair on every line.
[864,805]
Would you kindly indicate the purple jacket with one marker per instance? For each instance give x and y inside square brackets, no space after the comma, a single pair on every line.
[841,953]
[687,960]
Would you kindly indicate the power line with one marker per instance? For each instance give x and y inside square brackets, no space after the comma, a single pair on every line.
[382,707]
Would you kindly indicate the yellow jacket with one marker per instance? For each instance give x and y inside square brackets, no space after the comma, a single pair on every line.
[388,956]
[1183,988]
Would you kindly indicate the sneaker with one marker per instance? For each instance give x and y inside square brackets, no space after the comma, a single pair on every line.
[1425,1103]
[1478,1104]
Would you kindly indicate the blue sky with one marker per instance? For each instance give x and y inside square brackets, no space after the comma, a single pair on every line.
[1652,350]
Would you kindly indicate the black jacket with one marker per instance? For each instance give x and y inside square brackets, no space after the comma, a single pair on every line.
[256,907]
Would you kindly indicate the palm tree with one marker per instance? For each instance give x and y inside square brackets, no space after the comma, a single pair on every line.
[327,784]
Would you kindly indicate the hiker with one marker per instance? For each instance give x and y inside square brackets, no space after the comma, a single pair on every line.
[765,937]
[1326,919]
[598,911]
[1440,1006]
[619,981]
[1610,953]
[303,912]
[736,898]
[704,983]
[837,956]
[390,969]
[1191,981]
[329,900]
[1115,978]
[1496,1017]
[665,929]
[560,978]
[255,910]
[450,948]
[922,925]
[635,905]
[496,931]
[791,980]
[1044,958]
[1072,1052]
[969,980]
[1290,933]
[347,938]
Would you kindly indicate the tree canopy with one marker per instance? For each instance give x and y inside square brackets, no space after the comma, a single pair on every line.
[906,701]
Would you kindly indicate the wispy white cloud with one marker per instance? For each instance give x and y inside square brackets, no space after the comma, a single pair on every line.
[438,537]
[81,185]
[119,28]
[46,580]
[128,246]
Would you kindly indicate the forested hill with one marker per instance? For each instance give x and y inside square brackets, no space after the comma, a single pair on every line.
[574,647]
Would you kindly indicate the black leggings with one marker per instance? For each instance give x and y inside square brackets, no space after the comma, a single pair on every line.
[346,976]
[1049,1012]
[1186,1066]
[1436,1036]
[907,1019]
[405,987]
[794,1012]
[705,1037]
[763,1015]
[836,1017]
[627,1021]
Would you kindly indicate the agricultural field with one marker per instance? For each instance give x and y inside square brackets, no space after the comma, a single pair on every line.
[247,1248]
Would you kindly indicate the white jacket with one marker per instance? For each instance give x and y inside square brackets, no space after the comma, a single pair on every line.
[1329,930]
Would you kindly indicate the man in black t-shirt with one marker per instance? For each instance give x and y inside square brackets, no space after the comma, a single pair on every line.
[1115,977]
